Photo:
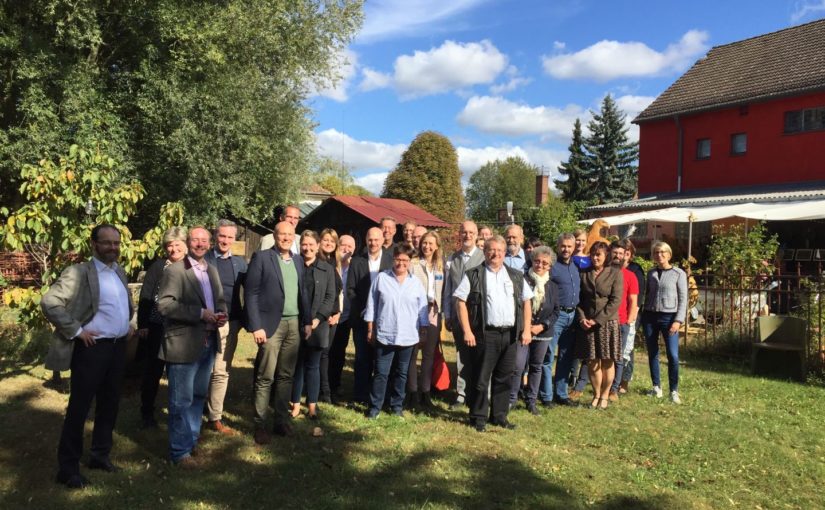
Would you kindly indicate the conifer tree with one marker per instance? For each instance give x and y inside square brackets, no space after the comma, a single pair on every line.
[610,158]
[575,187]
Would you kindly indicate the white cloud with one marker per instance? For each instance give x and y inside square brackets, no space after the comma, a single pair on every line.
[607,60]
[450,66]
[360,155]
[804,9]
[373,182]
[501,116]
[471,159]
[633,105]
[514,81]
[347,67]
[559,45]
[374,80]
[384,19]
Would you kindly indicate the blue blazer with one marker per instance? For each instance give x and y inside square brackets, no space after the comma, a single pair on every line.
[264,292]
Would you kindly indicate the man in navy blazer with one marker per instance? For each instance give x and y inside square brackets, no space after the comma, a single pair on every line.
[277,318]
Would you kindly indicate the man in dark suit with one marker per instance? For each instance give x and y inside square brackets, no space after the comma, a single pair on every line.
[276,317]
[232,270]
[90,307]
[191,301]
[362,272]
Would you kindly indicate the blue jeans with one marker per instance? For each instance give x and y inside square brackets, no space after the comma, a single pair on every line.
[564,336]
[384,355]
[309,368]
[624,330]
[188,387]
[655,323]
[364,359]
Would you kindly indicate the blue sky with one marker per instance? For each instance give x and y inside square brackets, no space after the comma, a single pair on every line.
[508,77]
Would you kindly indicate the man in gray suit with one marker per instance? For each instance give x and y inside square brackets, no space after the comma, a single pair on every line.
[90,306]
[192,304]
[459,262]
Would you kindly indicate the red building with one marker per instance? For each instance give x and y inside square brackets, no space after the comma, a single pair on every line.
[750,113]
[745,124]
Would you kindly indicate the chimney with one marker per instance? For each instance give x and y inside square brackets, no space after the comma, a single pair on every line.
[542,181]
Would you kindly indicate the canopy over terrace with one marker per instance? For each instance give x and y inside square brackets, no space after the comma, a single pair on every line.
[774,211]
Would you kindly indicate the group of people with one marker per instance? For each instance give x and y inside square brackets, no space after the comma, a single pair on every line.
[513,309]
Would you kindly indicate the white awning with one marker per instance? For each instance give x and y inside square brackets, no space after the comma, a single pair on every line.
[783,211]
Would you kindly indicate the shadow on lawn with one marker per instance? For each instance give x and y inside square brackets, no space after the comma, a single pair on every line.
[356,464]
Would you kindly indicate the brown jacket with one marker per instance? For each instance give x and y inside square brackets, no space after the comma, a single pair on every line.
[600,297]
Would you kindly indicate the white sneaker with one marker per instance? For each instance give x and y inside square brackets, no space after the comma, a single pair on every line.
[655,392]
[674,397]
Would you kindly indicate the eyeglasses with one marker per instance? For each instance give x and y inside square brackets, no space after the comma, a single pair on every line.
[402,261]
[541,263]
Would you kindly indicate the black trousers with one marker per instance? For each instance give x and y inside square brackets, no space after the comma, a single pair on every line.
[493,363]
[337,355]
[97,373]
[152,370]
[326,392]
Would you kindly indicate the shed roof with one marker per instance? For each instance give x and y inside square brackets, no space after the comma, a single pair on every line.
[375,208]
[782,63]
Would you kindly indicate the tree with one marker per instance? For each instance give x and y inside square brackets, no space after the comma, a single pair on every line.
[575,187]
[203,102]
[428,176]
[337,178]
[740,257]
[610,158]
[64,200]
[552,219]
[498,182]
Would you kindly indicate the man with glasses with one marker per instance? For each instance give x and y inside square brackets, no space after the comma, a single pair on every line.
[90,306]
[494,311]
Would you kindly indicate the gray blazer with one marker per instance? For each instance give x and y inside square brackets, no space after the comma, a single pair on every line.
[69,304]
[453,279]
[180,302]
[668,294]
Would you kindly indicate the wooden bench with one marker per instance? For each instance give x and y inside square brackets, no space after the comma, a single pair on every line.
[782,335]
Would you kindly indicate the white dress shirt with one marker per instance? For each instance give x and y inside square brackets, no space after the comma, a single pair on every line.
[498,308]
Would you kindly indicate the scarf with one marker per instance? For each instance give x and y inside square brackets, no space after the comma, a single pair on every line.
[538,292]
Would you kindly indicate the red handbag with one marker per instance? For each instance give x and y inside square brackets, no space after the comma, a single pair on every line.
[441,372]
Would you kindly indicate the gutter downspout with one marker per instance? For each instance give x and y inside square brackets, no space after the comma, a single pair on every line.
[680,154]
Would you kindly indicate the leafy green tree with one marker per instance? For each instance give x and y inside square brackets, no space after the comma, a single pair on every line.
[609,171]
[203,102]
[739,256]
[64,200]
[428,176]
[575,187]
[336,177]
[555,217]
[498,182]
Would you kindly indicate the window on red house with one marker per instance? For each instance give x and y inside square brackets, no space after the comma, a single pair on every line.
[811,119]
[738,143]
[703,148]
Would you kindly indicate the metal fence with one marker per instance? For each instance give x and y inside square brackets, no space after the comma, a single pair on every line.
[723,308]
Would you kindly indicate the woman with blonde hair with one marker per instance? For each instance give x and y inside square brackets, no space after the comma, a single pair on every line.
[329,253]
[664,312]
[428,267]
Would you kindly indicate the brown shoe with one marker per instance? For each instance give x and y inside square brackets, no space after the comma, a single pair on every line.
[613,397]
[262,436]
[220,428]
[283,429]
[623,387]
[188,463]
[574,395]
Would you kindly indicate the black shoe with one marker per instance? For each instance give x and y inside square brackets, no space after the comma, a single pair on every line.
[283,429]
[531,408]
[371,414]
[75,481]
[456,405]
[398,412]
[549,404]
[324,398]
[426,400]
[479,425]
[566,402]
[504,424]
[103,465]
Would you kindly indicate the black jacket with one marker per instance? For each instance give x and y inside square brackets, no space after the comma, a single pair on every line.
[548,312]
[358,284]
[319,298]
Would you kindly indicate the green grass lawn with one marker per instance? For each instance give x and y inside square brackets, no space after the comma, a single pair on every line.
[737,441]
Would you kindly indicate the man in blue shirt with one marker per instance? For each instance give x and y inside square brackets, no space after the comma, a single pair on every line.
[565,275]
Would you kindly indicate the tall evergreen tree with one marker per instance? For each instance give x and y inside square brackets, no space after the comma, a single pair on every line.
[428,176]
[576,186]
[610,157]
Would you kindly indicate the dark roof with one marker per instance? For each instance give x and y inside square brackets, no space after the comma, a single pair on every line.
[786,62]
[375,208]
[786,192]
